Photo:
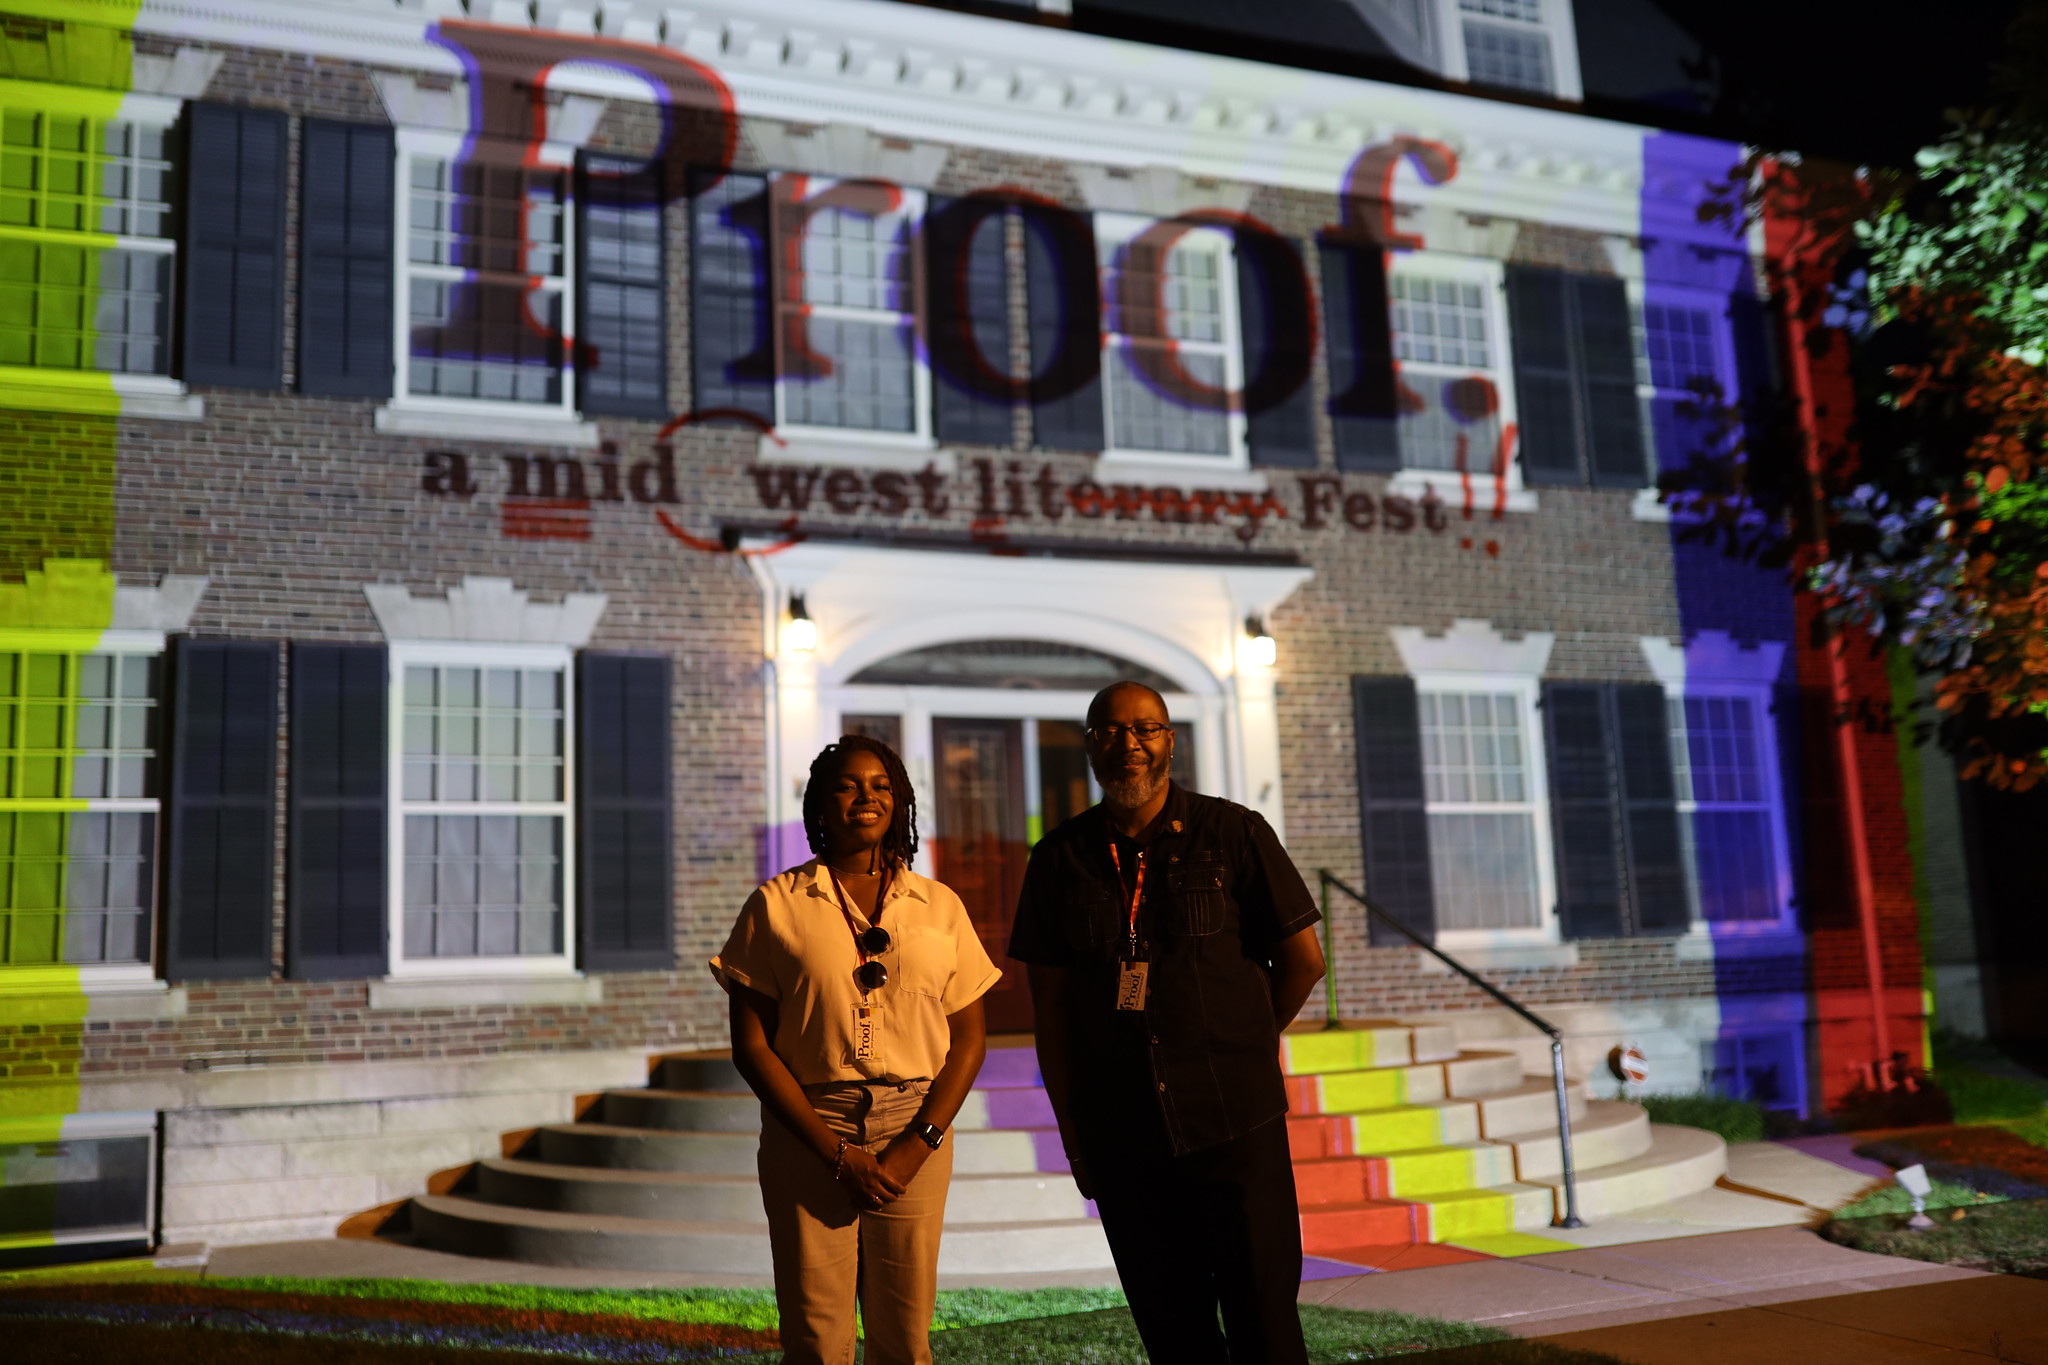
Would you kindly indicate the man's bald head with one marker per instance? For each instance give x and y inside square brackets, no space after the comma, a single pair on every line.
[1098,709]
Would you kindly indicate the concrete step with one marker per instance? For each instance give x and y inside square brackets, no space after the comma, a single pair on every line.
[1348,1092]
[1678,1162]
[1448,1169]
[473,1228]
[1359,1223]
[1007,1068]
[680,1196]
[1472,1074]
[680,1111]
[1455,1215]
[700,1073]
[1381,1131]
[1607,1133]
[1527,1106]
[618,1148]
[1005,1107]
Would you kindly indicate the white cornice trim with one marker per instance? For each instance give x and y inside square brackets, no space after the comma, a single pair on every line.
[923,74]
[167,607]
[485,611]
[1713,656]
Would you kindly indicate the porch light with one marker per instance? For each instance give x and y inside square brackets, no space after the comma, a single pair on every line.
[1258,649]
[800,632]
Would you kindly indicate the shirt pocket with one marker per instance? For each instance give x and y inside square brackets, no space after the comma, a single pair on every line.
[927,959]
[1093,922]
[1195,896]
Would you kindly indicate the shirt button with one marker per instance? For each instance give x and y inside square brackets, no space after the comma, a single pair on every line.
[1162,1085]
[1155,1040]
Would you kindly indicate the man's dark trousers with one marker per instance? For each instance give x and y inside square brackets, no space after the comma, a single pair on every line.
[1217,1227]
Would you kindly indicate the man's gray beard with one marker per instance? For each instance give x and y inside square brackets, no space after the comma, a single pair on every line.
[1129,793]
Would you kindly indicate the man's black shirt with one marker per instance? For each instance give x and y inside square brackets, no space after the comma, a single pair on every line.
[1220,892]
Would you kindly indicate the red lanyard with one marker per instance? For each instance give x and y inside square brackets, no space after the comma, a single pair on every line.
[846,908]
[1137,892]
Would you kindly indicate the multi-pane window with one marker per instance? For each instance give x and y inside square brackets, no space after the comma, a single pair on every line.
[1506,45]
[1679,379]
[1480,789]
[483,800]
[86,262]
[1724,790]
[78,806]
[487,276]
[625,351]
[1445,343]
[1171,340]
[845,316]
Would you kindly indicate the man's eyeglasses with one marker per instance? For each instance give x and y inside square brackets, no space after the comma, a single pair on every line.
[1146,732]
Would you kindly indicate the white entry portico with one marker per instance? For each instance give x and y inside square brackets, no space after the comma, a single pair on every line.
[1183,620]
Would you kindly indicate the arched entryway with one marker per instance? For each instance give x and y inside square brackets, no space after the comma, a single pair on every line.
[992,731]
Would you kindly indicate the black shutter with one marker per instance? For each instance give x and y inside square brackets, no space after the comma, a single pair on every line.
[622,289]
[346,265]
[335,854]
[1063,297]
[1274,311]
[1658,893]
[221,812]
[1364,398]
[1607,368]
[1585,825]
[623,812]
[732,342]
[1539,319]
[234,246]
[1393,818]
[967,320]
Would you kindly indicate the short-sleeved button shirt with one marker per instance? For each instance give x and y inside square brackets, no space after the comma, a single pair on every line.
[1220,893]
[791,943]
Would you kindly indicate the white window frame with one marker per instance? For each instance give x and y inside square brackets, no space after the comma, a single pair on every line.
[1715,305]
[1759,698]
[1566,82]
[1113,231]
[150,643]
[920,438]
[414,143]
[1526,691]
[1412,481]
[161,113]
[455,654]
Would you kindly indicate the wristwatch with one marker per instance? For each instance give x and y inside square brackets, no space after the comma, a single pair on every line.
[929,1134]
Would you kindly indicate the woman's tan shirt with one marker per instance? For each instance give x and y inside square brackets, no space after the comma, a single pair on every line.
[791,944]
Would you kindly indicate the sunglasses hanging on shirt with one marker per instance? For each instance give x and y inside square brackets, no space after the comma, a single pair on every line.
[871,942]
[871,976]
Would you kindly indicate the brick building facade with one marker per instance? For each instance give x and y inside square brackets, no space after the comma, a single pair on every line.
[547,429]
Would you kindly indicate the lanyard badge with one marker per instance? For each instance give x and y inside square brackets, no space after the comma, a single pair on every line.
[1133,973]
[870,975]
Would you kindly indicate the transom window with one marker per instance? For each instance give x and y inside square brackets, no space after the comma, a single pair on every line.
[846,322]
[1445,342]
[78,806]
[484,810]
[85,260]
[1170,346]
[1724,791]
[1480,795]
[487,276]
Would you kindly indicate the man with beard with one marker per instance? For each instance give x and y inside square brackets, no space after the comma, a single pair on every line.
[1168,940]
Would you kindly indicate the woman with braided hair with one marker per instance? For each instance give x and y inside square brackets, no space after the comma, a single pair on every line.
[855,988]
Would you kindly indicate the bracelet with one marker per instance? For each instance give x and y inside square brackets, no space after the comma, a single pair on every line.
[839,1160]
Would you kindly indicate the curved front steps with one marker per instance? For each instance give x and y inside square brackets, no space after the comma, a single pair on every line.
[1398,1136]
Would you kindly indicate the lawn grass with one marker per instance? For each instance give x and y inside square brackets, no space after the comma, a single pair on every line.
[1735,1120]
[1108,1337]
[1983,1085]
[2010,1237]
[1893,1199]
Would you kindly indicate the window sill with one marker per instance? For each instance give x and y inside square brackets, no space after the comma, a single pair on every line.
[544,428]
[100,393]
[30,995]
[1704,945]
[401,993]
[785,448]
[1192,471]
[1450,487]
[1504,956]
[1646,507]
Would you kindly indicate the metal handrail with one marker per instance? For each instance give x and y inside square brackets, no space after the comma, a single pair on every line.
[1329,879]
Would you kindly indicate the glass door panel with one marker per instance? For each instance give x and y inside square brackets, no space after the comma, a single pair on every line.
[980,848]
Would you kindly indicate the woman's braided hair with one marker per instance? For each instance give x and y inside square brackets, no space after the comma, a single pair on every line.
[899,844]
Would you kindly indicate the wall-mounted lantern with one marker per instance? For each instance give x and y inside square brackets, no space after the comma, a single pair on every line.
[1257,649]
[799,632]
